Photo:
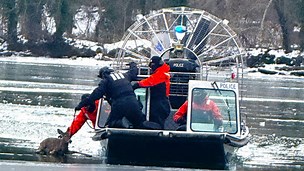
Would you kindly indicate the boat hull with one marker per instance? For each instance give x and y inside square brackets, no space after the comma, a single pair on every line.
[163,148]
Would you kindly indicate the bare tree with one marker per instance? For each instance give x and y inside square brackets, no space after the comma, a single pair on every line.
[299,6]
[31,18]
[10,13]
[262,21]
[62,18]
[280,7]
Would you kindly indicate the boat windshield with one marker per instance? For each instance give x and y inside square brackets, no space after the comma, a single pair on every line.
[213,110]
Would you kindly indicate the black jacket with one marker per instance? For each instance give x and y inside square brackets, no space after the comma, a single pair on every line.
[113,86]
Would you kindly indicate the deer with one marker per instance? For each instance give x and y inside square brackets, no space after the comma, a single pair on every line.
[57,146]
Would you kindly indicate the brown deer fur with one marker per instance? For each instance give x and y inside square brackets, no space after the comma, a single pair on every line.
[55,146]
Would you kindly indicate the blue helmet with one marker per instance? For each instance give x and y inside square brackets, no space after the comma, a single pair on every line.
[104,70]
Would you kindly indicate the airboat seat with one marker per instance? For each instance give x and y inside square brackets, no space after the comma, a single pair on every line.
[182,65]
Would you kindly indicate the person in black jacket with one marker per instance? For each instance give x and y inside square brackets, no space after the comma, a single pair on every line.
[117,89]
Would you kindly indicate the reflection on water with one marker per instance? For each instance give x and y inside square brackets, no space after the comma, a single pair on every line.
[36,99]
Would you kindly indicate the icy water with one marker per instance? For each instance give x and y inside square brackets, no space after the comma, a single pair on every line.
[38,96]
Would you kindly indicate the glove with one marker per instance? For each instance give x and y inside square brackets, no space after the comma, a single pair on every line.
[133,70]
[135,86]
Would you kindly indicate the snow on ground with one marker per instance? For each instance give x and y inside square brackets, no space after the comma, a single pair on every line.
[276,53]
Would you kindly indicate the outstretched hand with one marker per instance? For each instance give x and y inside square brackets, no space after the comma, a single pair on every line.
[135,86]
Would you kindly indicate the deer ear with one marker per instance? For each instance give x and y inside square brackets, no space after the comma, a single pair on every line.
[60,132]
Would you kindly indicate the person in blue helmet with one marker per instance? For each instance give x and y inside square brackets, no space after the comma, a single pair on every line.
[117,89]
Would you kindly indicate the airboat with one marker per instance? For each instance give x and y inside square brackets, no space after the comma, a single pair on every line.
[204,54]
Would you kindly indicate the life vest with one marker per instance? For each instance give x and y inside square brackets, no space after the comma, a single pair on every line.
[159,82]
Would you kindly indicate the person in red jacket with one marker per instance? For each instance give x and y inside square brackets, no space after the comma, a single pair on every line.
[202,104]
[86,113]
[159,83]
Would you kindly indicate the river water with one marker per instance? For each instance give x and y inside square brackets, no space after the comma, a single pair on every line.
[38,96]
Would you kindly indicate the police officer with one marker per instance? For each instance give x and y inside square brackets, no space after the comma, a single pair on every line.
[117,89]
[159,83]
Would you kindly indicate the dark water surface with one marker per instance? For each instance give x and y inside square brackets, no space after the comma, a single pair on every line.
[38,96]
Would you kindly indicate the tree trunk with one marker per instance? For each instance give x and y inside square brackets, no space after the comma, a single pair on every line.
[62,19]
[302,37]
[300,6]
[10,12]
[32,23]
[284,24]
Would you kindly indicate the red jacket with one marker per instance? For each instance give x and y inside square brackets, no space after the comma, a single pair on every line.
[82,117]
[208,106]
[159,77]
